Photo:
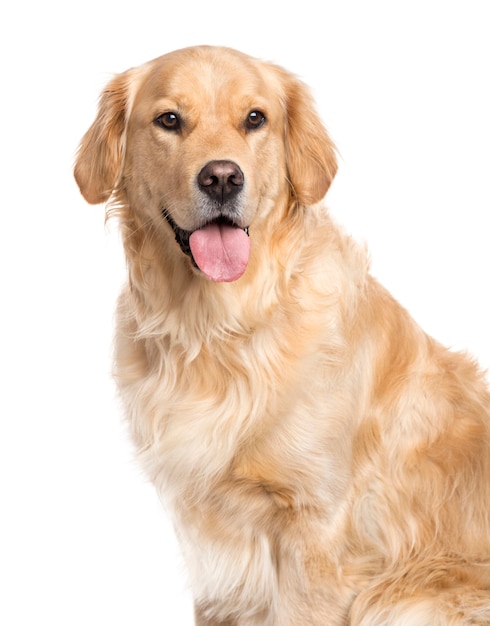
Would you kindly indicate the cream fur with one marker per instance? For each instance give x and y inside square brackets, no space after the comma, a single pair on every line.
[324,460]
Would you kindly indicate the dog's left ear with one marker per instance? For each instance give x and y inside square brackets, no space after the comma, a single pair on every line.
[310,153]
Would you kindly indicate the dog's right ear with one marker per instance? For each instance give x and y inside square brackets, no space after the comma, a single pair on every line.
[100,155]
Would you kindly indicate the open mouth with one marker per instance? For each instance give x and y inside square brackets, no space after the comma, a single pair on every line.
[220,248]
[181,236]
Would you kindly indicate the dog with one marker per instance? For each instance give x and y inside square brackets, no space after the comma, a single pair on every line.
[325,462]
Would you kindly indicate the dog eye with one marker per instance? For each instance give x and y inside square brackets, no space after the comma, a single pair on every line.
[168,121]
[255,119]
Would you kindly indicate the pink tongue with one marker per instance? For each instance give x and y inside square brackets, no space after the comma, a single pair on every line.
[221,251]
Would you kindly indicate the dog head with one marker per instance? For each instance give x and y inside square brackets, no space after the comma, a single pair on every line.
[205,143]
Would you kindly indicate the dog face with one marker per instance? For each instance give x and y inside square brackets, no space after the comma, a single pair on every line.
[205,143]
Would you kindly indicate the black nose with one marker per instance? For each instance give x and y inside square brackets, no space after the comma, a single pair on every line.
[221,180]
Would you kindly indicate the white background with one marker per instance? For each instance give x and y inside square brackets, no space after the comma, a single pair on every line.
[403,88]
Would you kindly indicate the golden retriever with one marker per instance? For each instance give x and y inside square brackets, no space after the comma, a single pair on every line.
[325,461]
